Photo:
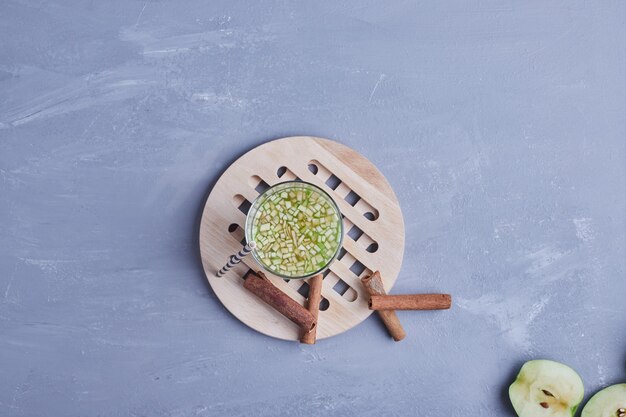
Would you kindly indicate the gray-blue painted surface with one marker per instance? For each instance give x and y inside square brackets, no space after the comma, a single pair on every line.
[500,124]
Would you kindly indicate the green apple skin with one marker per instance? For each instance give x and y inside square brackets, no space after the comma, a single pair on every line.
[545,388]
[605,403]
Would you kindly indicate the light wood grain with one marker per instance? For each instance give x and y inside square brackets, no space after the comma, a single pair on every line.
[357,174]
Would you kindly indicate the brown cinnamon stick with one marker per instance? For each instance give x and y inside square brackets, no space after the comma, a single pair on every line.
[410,302]
[313,305]
[374,286]
[260,286]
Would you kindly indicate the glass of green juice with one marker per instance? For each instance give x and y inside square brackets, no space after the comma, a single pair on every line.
[297,228]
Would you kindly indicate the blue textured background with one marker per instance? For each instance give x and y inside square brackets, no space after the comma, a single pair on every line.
[500,124]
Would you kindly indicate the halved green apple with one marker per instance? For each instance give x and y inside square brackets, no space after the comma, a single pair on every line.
[610,402]
[546,389]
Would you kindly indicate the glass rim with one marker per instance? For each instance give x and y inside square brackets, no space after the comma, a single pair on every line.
[270,191]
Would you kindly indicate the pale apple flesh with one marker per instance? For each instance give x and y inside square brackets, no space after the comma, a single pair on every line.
[546,388]
[610,402]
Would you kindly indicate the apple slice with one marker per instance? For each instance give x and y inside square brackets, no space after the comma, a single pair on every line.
[546,389]
[610,402]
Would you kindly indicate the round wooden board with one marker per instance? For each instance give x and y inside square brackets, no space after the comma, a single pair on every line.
[373,223]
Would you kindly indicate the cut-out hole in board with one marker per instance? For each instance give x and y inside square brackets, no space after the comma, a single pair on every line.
[313,168]
[369,212]
[357,268]
[333,182]
[355,233]
[372,247]
[304,289]
[237,232]
[259,185]
[352,198]
[341,287]
[241,203]
[245,207]
[369,216]
[286,174]
[325,273]
[342,253]
[324,304]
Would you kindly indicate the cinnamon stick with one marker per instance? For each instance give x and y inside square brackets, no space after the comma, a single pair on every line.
[410,302]
[313,305]
[260,286]
[374,286]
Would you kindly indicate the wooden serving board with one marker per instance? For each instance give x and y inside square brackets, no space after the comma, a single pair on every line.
[374,231]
